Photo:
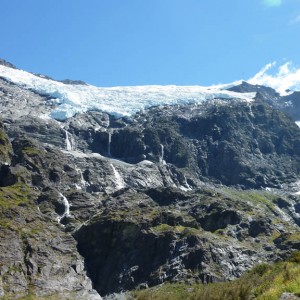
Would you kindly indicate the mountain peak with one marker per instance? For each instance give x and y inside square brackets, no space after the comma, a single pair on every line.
[5,63]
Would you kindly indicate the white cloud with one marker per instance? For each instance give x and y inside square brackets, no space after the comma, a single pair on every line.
[263,71]
[286,77]
[272,3]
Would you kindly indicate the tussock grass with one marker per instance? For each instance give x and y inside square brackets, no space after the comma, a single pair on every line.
[264,282]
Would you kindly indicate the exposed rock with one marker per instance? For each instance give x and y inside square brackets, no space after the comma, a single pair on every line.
[6,63]
[139,240]
[77,82]
[288,104]
[36,256]
[166,195]
[206,140]
[289,296]
[5,148]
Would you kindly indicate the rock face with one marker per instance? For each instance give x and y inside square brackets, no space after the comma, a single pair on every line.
[145,238]
[97,205]
[288,104]
[226,144]
[36,256]
[6,63]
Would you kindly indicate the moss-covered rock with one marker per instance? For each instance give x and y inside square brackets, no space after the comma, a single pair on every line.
[5,147]
[144,238]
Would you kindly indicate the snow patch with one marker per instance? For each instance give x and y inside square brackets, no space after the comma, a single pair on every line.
[117,101]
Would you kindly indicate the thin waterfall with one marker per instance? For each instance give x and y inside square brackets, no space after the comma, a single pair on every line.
[67,208]
[83,183]
[119,180]
[250,110]
[108,145]
[162,154]
[68,141]
[185,187]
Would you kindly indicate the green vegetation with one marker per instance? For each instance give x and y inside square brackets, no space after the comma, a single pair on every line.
[263,198]
[264,282]
[251,195]
[178,291]
[179,229]
[14,195]
[14,200]
[30,151]
[5,147]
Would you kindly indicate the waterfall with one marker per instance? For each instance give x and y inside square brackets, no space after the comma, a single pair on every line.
[108,145]
[250,110]
[67,208]
[162,154]
[83,183]
[185,187]
[119,180]
[68,141]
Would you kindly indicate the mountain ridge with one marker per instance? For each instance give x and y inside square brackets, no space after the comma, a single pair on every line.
[187,192]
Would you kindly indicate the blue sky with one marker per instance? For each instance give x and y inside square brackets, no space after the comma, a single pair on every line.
[141,42]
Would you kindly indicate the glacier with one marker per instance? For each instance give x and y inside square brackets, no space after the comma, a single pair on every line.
[70,99]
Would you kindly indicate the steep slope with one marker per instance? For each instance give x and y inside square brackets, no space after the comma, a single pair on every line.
[199,187]
[238,144]
[141,239]
[288,103]
[276,281]
[36,256]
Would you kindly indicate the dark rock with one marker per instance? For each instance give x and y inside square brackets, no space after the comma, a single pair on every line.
[5,147]
[260,226]
[219,220]
[282,203]
[124,238]
[6,64]
[208,142]
[7,178]
[266,92]
[35,251]
[76,82]
[287,241]
[162,196]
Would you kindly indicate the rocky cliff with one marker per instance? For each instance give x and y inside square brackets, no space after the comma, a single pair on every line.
[36,256]
[95,204]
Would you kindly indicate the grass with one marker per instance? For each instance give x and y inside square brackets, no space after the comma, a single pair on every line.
[14,195]
[14,201]
[181,291]
[264,282]
[30,151]
[261,199]
[5,147]
[178,229]
[256,197]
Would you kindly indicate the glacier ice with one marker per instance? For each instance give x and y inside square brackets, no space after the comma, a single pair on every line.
[117,101]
